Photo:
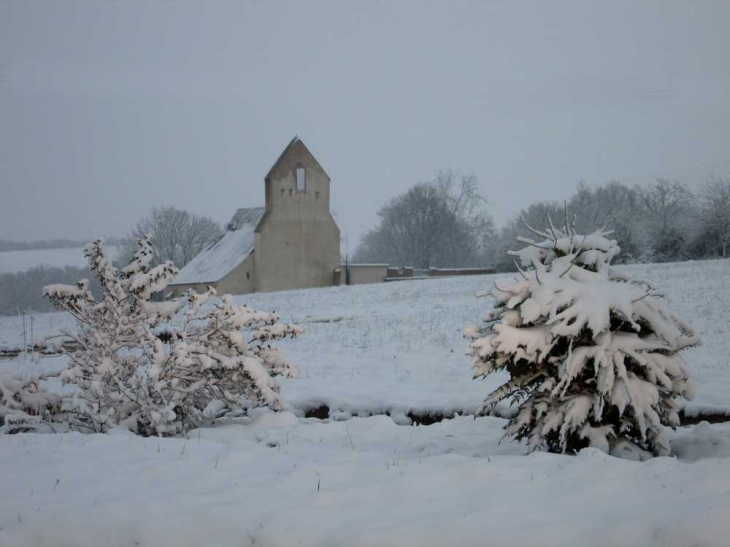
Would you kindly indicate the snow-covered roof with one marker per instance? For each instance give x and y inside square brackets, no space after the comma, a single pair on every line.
[222,257]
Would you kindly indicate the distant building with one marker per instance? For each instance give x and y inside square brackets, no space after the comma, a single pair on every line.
[291,243]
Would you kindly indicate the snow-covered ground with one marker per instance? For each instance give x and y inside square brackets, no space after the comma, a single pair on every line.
[398,347]
[283,480]
[21,261]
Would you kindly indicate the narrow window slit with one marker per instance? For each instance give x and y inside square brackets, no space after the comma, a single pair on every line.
[301,179]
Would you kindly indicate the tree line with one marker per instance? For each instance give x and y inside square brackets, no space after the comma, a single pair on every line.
[445,223]
[176,235]
[23,291]
[8,245]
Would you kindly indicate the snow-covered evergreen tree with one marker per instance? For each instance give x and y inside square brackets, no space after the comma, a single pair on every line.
[162,368]
[592,355]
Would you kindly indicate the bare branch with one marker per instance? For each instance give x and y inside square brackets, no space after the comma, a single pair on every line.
[533,230]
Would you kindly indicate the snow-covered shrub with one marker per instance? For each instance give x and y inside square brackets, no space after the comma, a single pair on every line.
[162,368]
[592,355]
[24,403]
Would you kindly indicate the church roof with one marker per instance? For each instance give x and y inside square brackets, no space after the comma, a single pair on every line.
[294,142]
[227,253]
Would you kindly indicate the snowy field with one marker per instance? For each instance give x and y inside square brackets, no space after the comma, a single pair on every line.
[21,261]
[284,479]
[398,347]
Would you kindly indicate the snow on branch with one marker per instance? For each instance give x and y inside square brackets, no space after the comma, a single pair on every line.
[24,403]
[593,356]
[162,368]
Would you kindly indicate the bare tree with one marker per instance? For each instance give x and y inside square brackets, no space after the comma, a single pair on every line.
[461,193]
[178,236]
[670,211]
[714,236]
[443,222]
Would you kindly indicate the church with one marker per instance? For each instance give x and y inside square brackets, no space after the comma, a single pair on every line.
[291,243]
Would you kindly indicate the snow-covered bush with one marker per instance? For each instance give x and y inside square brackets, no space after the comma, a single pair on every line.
[592,355]
[24,403]
[162,368]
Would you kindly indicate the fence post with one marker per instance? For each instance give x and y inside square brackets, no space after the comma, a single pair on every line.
[25,339]
[32,338]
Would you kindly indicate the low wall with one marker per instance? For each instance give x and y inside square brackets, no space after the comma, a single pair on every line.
[400,273]
[360,274]
[451,272]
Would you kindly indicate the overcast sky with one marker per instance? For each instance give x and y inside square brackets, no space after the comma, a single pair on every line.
[108,108]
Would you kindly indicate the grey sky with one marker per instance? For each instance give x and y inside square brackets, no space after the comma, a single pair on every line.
[108,108]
